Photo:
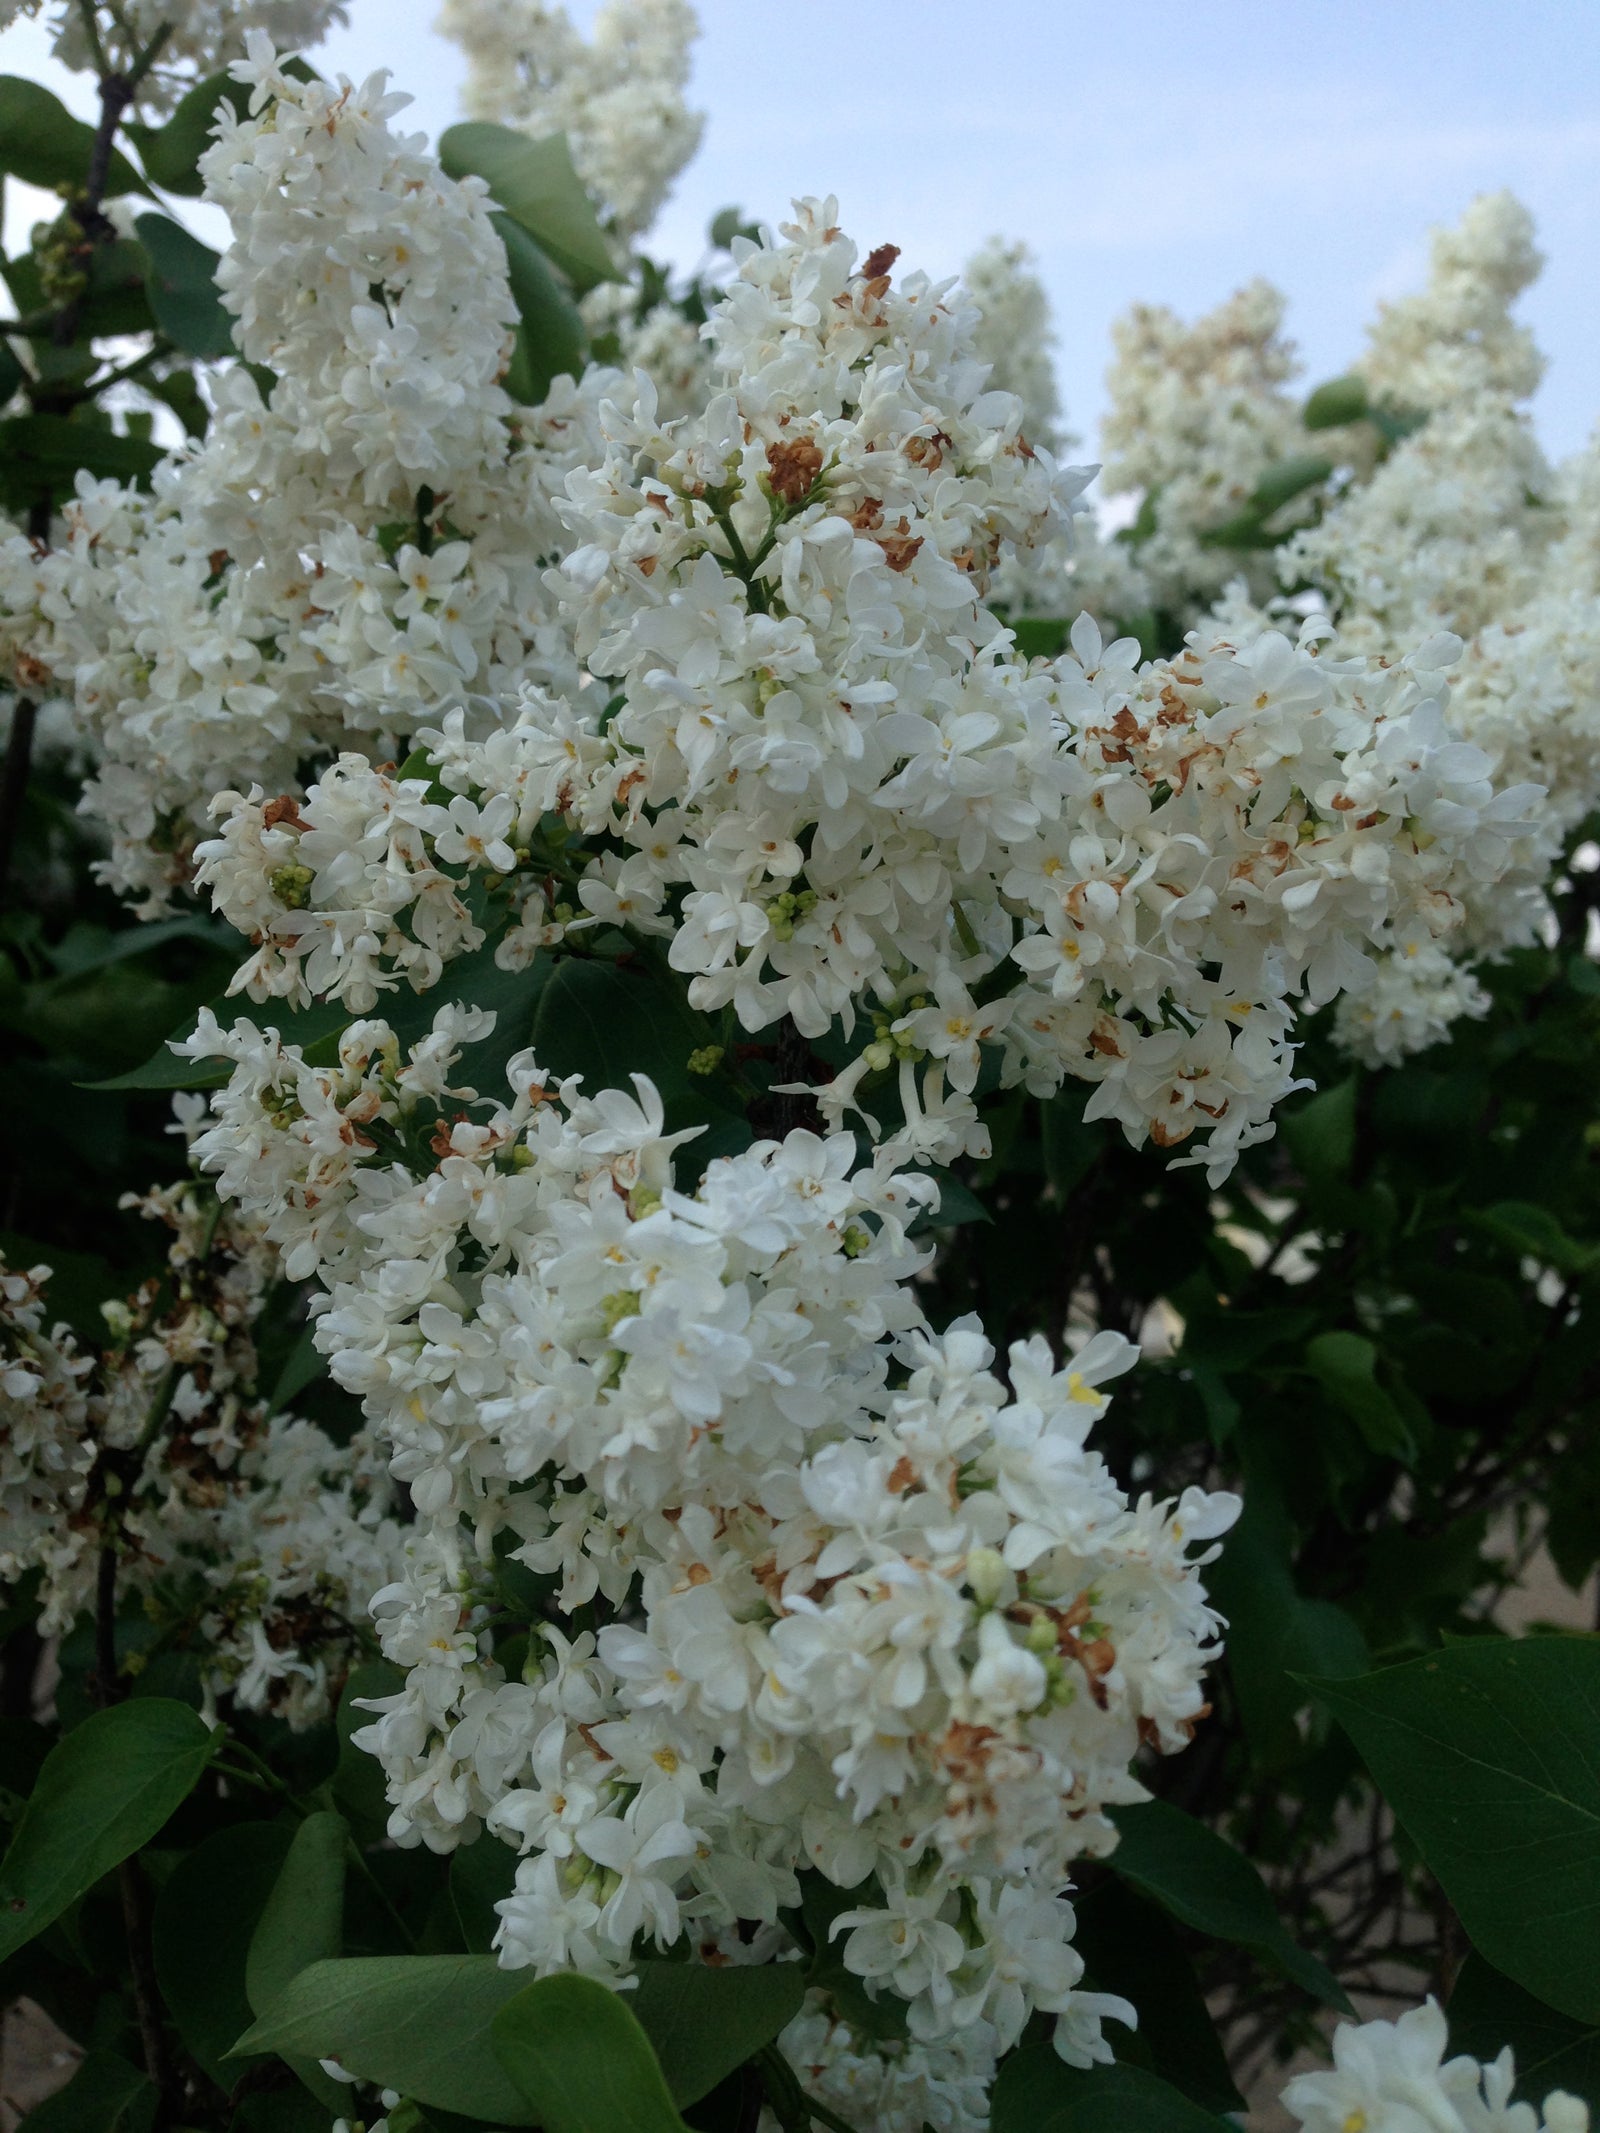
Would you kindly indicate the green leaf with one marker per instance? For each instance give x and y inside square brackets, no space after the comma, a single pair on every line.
[40,454]
[181,286]
[1132,1948]
[1205,1883]
[820,1904]
[1321,1134]
[1287,479]
[170,153]
[1278,486]
[115,300]
[1036,2093]
[104,1791]
[201,1944]
[703,2023]
[1338,401]
[1039,636]
[535,182]
[481,1875]
[416,2023]
[472,979]
[105,2095]
[1346,1365]
[1489,1754]
[1272,1629]
[24,1743]
[958,1203]
[1487,2012]
[1071,1148]
[581,2060]
[303,1918]
[165,1070]
[609,1021]
[179,392]
[1538,1232]
[301,1923]
[43,144]
[728,223]
[303,1365]
[550,338]
[358,1781]
[79,1283]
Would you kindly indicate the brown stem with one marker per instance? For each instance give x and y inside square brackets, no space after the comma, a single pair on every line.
[116,94]
[158,2060]
[108,1688]
[792,1061]
[14,778]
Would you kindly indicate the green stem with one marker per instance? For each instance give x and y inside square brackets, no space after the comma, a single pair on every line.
[794,2110]
[258,1773]
[160,1408]
[131,370]
[148,57]
[741,561]
[963,925]
[244,1777]
[91,29]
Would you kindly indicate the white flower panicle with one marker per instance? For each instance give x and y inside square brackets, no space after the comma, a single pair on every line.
[619,99]
[45,1449]
[1198,414]
[353,554]
[1457,336]
[255,1539]
[1418,995]
[862,1607]
[1465,527]
[1014,335]
[828,776]
[1394,2077]
[892,2085]
[373,286]
[199,37]
[1075,570]
[1449,533]
[1218,834]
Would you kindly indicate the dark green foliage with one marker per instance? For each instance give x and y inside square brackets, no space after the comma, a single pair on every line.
[101,1793]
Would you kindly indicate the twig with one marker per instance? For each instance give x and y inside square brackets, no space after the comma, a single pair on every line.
[14,778]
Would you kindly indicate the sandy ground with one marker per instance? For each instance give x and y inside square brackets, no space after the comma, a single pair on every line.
[35,2061]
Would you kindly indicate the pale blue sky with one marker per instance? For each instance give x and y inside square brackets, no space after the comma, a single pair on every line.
[1157,149]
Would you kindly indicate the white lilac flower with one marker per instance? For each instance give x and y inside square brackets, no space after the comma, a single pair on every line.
[266,1539]
[856,1589]
[828,778]
[1394,2077]
[199,37]
[1464,527]
[1456,336]
[1198,414]
[291,583]
[1014,335]
[619,99]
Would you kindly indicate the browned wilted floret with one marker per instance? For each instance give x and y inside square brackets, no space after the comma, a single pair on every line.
[792,468]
